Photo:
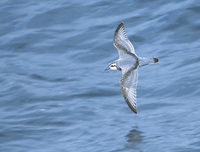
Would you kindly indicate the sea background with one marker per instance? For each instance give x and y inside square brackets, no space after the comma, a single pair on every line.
[56,97]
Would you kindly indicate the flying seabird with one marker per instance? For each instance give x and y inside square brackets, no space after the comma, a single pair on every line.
[128,63]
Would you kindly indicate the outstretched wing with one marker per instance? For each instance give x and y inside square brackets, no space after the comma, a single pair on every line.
[121,41]
[128,86]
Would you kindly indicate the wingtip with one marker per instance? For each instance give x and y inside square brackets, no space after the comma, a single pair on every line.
[135,111]
[132,108]
[122,23]
[118,28]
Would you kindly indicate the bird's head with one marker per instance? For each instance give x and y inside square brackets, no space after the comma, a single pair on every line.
[112,66]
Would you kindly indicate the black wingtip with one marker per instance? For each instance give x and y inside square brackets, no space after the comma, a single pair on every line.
[135,111]
[155,60]
[119,26]
[116,31]
[122,23]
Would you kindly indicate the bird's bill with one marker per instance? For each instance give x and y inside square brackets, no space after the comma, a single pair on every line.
[107,68]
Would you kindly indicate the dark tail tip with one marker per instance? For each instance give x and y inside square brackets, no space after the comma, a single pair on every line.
[155,60]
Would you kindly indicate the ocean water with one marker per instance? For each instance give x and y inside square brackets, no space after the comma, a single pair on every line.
[56,97]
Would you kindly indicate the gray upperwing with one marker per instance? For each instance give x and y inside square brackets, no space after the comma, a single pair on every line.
[121,41]
[128,86]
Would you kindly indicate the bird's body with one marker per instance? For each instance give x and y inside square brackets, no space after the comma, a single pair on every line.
[128,63]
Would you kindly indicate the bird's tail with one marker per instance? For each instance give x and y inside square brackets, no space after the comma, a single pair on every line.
[146,61]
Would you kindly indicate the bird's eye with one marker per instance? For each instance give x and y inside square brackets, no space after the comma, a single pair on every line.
[112,65]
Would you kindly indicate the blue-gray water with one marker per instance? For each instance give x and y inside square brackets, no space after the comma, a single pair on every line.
[56,97]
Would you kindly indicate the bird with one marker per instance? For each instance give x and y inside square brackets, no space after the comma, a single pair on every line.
[128,63]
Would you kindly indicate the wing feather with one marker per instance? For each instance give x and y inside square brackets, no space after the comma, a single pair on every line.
[121,41]
[128,87]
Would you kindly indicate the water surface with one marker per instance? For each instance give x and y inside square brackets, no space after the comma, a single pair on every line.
[55,95]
